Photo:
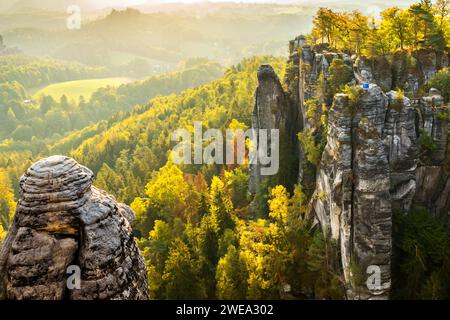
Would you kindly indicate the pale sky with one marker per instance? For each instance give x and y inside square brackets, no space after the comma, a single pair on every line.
[99,4]
[136,2]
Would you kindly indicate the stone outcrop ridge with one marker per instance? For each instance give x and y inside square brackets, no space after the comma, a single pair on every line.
[407,71]
[374,163]
[61,221]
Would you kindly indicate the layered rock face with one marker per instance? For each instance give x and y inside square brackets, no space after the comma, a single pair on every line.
[400,138]
[63,224]
[432,174]
[352,199]
[334,186]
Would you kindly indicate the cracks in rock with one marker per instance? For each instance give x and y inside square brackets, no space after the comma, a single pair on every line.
[67,294]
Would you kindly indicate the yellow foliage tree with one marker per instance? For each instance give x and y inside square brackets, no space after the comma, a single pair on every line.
[7,203]
[2,234]
[278,204]
[167,191]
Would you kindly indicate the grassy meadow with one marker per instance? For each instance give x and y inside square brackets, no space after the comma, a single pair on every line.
[74,89]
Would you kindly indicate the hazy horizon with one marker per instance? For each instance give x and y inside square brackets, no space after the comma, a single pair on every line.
[57,5]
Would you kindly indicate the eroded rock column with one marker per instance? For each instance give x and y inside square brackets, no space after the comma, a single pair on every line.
[352,199]
[62,221]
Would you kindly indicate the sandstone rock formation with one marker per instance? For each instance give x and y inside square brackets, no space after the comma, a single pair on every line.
[62,221]
[306,67]
[400,139]
[371,167]
[373,163]
[432,174]
[352,199]
[274,110]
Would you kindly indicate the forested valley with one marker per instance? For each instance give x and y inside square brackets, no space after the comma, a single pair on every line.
[196,224]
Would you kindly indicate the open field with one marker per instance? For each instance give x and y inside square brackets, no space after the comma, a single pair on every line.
[74,89]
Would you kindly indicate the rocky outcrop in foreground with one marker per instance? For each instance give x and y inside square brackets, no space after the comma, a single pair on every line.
[64,224]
